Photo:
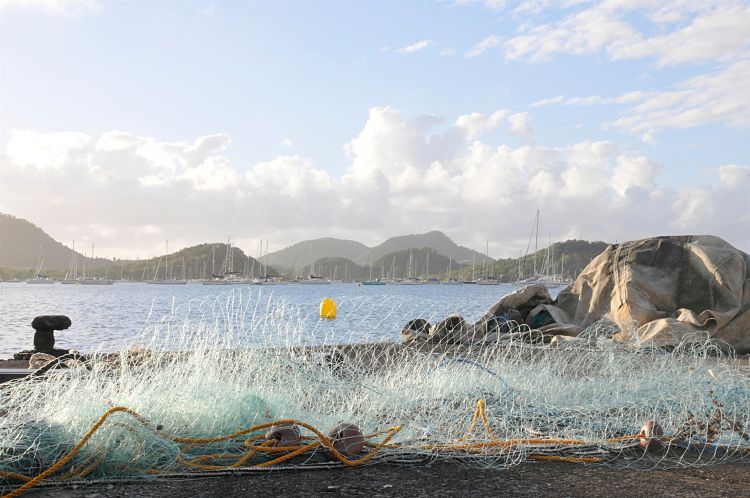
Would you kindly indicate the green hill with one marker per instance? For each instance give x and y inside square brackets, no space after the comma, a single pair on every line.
[569,257]
[195,262]
[425,262]
[23,245]
[331,268]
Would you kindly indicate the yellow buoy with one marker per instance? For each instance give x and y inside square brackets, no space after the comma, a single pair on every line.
[328,308]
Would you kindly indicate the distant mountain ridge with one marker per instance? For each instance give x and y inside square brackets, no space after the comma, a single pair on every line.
[302,254]
[435,239]
[20,241]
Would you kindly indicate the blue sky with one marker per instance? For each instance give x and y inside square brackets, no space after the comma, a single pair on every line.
[358,106]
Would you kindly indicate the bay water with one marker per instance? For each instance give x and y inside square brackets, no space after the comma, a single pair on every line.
[111,317]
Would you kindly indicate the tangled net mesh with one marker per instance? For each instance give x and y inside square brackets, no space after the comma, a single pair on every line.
[204,383]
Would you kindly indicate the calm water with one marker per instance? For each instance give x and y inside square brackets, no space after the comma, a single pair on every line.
[112,316]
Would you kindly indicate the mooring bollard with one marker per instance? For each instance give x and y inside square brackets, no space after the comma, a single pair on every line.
[44,335]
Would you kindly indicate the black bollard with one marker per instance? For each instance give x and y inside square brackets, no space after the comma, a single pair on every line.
[44,335]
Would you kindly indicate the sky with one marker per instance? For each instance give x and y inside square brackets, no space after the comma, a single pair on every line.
[129,123]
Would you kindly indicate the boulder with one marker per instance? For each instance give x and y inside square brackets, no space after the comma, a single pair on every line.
[415,330]
[38,360]
[452,329]
[666,290]
[521,300]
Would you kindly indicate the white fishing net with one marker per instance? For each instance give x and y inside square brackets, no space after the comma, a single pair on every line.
[224,365]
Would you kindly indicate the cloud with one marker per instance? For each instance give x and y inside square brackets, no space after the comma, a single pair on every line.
[590,100]
[53,7]
[415,47]
[495,5]
[721,96]
[45,150]
[403,175]
[583,33]
[287,142]
[491,41]
[476,123]
[686,32]
[722,34]
[520,124]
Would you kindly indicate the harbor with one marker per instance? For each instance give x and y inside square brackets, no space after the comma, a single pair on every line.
[519,384]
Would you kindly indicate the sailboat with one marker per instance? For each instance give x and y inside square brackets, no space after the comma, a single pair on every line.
[487,279]
[448,279]
[312,278]
[473,268]
[167,280]
[370,281]
[95,281]
[40,278]
[347,277]
[71,277]
[543,277]
[227,275]
[410,278]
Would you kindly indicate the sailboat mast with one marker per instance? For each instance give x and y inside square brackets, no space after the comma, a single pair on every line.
[487,253]
[166,260]
[536,240]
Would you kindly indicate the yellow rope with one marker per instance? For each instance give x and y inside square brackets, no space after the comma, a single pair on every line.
[15,475]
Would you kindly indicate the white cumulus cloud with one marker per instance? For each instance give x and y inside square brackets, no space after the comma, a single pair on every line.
[404,175]
[491,41]
[415,47]
[52,7]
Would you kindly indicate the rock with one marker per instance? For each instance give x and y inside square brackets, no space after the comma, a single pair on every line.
[555,329]
[44,335]
[137,355]
[415,330]
[38,360]
[666,291]
[508,321]
[452,329]
[74,363]
[522,300]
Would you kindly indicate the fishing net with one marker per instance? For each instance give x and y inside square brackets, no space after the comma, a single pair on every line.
[204,385]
